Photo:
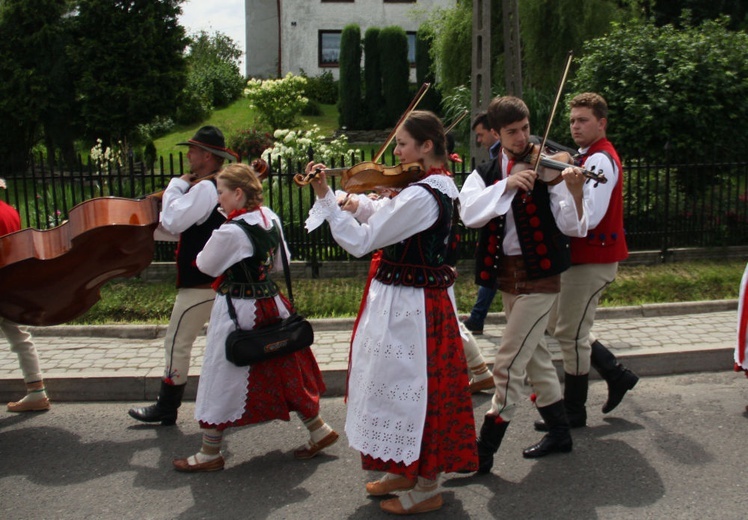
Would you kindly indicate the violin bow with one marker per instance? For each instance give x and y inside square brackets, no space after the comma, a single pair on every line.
[553,110]
[456,122]
[417,99]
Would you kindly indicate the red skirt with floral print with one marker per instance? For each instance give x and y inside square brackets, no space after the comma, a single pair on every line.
[448,442]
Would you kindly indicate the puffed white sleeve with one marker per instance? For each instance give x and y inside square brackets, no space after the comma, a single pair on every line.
[226,246]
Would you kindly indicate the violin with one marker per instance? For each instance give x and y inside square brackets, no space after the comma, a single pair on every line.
[553,165]
[371,175]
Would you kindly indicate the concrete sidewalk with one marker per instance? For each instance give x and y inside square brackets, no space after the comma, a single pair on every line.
[125,363]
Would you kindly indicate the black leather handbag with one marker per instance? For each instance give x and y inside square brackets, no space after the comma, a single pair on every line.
[245,347]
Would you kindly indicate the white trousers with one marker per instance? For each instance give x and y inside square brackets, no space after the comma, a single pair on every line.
[574,312]
[191,311]
[22,344]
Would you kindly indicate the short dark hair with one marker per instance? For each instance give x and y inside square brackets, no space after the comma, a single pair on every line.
[505,110]
[593,101]
[481,119]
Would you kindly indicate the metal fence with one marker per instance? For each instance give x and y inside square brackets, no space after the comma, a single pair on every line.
[666,205]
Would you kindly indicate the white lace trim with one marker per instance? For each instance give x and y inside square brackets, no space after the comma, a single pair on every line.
[322,210]
[442,183]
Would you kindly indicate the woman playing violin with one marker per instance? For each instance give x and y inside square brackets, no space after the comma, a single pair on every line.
[409,408]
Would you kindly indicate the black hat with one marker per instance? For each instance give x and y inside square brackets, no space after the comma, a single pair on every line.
[211,139]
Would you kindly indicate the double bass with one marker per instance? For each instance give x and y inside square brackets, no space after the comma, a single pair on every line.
[53,276]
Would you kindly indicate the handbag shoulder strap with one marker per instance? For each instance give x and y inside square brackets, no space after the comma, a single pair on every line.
[286,269]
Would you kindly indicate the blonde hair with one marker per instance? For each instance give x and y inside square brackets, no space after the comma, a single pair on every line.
[239,175]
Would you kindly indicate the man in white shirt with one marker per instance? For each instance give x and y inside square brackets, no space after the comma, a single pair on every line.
[189,211]
[523,249]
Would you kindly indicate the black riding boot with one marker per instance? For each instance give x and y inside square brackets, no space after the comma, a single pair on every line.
[489,440]
[619,378]
[575,398]
[558,438]
[165,409]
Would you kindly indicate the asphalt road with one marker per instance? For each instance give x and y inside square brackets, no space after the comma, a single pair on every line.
[675,448]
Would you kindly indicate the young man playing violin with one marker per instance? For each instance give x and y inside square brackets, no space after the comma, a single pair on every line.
[189,211]
[524,249]
[594,261]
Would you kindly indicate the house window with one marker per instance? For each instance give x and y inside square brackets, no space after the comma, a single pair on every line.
[329,48]
[411,48]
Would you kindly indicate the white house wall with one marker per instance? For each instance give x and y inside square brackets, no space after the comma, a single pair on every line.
[300,21]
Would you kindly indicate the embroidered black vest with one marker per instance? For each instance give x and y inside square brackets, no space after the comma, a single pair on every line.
[250,278]
[191,242]
[545,250]
[422,260]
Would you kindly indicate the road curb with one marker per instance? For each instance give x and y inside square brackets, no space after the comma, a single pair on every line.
[328,324]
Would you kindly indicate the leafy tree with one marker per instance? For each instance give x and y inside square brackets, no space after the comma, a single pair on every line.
[452,31]
[664,12]
[128,57]
[349,100]
[425,70]
[213,66]
[35,91]
[393,48]
[680,89]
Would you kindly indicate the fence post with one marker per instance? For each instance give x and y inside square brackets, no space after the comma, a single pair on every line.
[664,252]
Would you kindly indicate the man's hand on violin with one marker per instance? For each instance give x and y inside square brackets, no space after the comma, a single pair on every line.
[316,171]
[575,179]
[522,180]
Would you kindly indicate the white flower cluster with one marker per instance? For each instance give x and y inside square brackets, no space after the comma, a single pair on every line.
[105,157]
[293,145]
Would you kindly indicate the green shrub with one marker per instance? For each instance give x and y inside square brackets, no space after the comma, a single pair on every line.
[373,100]
[278,101]
[349,100]
[322,89]
[393,48]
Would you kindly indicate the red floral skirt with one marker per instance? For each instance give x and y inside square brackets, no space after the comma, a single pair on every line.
[448,442]
[278,386]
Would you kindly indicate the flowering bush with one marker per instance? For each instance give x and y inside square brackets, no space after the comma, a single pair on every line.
[278,101]
[293,145]
[104,158]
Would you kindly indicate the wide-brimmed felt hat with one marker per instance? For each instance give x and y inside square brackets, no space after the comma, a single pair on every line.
[211,139]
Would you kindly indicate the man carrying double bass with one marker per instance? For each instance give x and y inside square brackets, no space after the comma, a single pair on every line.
[189,211]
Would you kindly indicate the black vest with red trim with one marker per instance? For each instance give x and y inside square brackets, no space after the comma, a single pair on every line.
[545,249]
[607,242]
[422,260]
[191,242]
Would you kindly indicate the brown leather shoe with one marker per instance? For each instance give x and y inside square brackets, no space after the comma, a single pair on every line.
[311,449]
[184,466]
[385,487]
[29,406]
[394,506]
[479,386]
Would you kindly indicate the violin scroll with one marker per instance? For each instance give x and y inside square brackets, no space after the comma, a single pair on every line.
[260,168]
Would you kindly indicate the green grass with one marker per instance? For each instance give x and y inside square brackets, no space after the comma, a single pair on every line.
[235,117]
[134,301]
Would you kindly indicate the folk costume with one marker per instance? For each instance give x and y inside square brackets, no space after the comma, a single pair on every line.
[595,260]
[20,339]
[244,252]
[409,408]
[524,250]
[189,213]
